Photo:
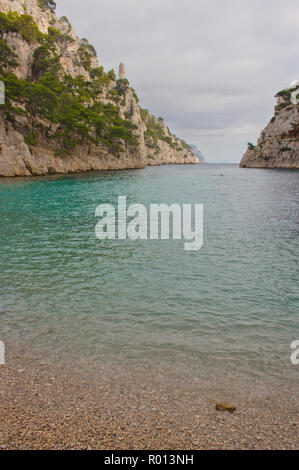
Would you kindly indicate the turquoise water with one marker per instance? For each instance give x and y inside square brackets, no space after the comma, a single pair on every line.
[236,301]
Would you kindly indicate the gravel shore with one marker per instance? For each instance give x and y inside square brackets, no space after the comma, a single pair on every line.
[41,408]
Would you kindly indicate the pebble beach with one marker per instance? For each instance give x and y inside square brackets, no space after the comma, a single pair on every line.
[42,408]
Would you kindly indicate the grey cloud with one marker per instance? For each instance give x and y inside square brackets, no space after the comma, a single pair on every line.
[210,67]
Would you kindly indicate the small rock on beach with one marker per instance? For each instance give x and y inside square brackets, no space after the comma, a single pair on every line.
[225,407]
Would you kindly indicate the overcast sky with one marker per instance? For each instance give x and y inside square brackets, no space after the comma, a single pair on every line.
[209,67]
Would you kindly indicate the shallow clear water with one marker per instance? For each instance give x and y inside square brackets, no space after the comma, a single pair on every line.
[235,302]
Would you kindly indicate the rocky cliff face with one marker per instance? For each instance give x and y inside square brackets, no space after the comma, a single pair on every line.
[23,155]
[278,145]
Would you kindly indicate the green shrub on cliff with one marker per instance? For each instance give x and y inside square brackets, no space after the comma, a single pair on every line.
[14,92]
[7,56]
[43,61]
[284,93]
[185,145]
[22,24]
[54,33]
[100,78]
[30,139]
[112,75]
[155,131]
[64,19]
[89,47]
[85,58]
[122,85]
[50,4]
[86,52]
[144,113]
[135,95]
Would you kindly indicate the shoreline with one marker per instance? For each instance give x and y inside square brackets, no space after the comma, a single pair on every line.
[64,406]
[99,170]
[115,170]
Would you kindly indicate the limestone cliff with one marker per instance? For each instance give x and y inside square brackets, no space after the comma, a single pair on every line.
[278,145]
[37,47]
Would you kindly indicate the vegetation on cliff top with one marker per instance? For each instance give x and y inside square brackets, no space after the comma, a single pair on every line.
[284,93]
[155,131]
[24,25]
[287,93]
[50,4]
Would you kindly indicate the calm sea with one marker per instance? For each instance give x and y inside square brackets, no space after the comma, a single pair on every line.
[232,305]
